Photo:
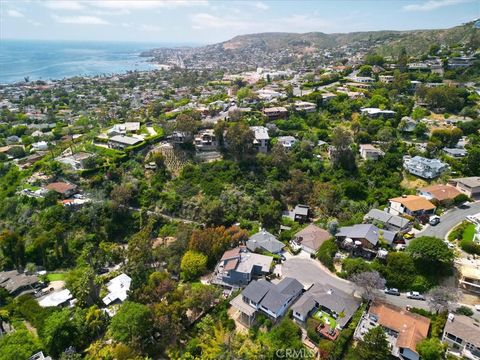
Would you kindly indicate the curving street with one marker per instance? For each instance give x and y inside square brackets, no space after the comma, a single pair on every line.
[449,220]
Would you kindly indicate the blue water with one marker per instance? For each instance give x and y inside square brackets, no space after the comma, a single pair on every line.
[60,59]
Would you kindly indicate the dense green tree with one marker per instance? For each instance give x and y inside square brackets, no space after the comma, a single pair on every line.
[431,349]
[12,247]
[341,154]
[193,264]
[132,325]
[20,344]
[326,253]
[431,254]
[59,332]
[374,345]
[239,140]
[84,285]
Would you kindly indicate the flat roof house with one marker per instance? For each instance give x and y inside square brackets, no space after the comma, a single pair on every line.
[300,213]
[310,238]
[391,222]
[265,241]
[261,138]
[412,205]
[404,329]
[370,152]
[423,167]
[271,299]
[439,192]
[470,278]
[287,141]
[330,300]
[376,112]
[205,140]
[305,106]
[121,141]
[275,113]
[462,335]
[238,267]
[469,186]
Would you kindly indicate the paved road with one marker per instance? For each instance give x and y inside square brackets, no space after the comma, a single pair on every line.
[309,271]
[449,220]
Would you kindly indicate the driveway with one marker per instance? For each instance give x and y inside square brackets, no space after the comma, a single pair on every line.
[449,220]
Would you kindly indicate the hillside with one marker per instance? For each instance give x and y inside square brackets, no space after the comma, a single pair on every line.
[279,49]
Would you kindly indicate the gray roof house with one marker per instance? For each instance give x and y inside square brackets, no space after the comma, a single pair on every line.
[423,167]
[368,234]
[272,299]
[391,222]
[17,283]
[265,241]
[238,267]
[331,300]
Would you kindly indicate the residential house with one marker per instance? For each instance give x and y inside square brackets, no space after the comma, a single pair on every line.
[40,146]
[412,205]
[286,141]
[470,186]
[455,152]
[39,356]
[469,278]
[462,335]
[362,79]
[77,161]
[305,106]
[122,129]
[310,238]
[440,193]
[261,138]
[423,167]
[264,241]
[17,283]
[57,298]
[460,62]
[404,329]
[180,137]
[375,112]
[205,140]
[390,222]
[387,79]
[118,289]
[121,142]
[327,97]
[64,189]
[408,124]
[364,237]
[370,152]
[329,300]
[271,299]
[275,113]
[300,213]
[239,266]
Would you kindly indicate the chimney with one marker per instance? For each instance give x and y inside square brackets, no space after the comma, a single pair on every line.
[451,317]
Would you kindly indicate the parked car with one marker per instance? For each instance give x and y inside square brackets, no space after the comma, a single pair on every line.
[409,235]
[415,295]
[392,291]
[434,220]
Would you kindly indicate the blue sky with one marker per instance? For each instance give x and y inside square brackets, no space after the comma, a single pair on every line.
[209,21]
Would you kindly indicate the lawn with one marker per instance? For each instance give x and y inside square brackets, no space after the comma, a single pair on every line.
[55,276]
[469,233]
[325,318]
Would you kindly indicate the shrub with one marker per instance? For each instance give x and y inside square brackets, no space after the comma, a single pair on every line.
[464,310]
[326,253]
[312,330]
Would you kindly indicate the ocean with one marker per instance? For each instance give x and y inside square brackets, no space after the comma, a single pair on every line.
[60,59]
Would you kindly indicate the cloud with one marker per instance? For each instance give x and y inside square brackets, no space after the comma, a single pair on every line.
[261,5]
[80,20]
[207,21]
[63,5]
[15,14]
[146,4]
[433,5]
[151,28]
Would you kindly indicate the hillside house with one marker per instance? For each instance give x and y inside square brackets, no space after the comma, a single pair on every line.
[462,335]
[275,113]
[205,140]
[370,152]
[412,205]
[261,138]
[469,186]
[423,167]
[310,239]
